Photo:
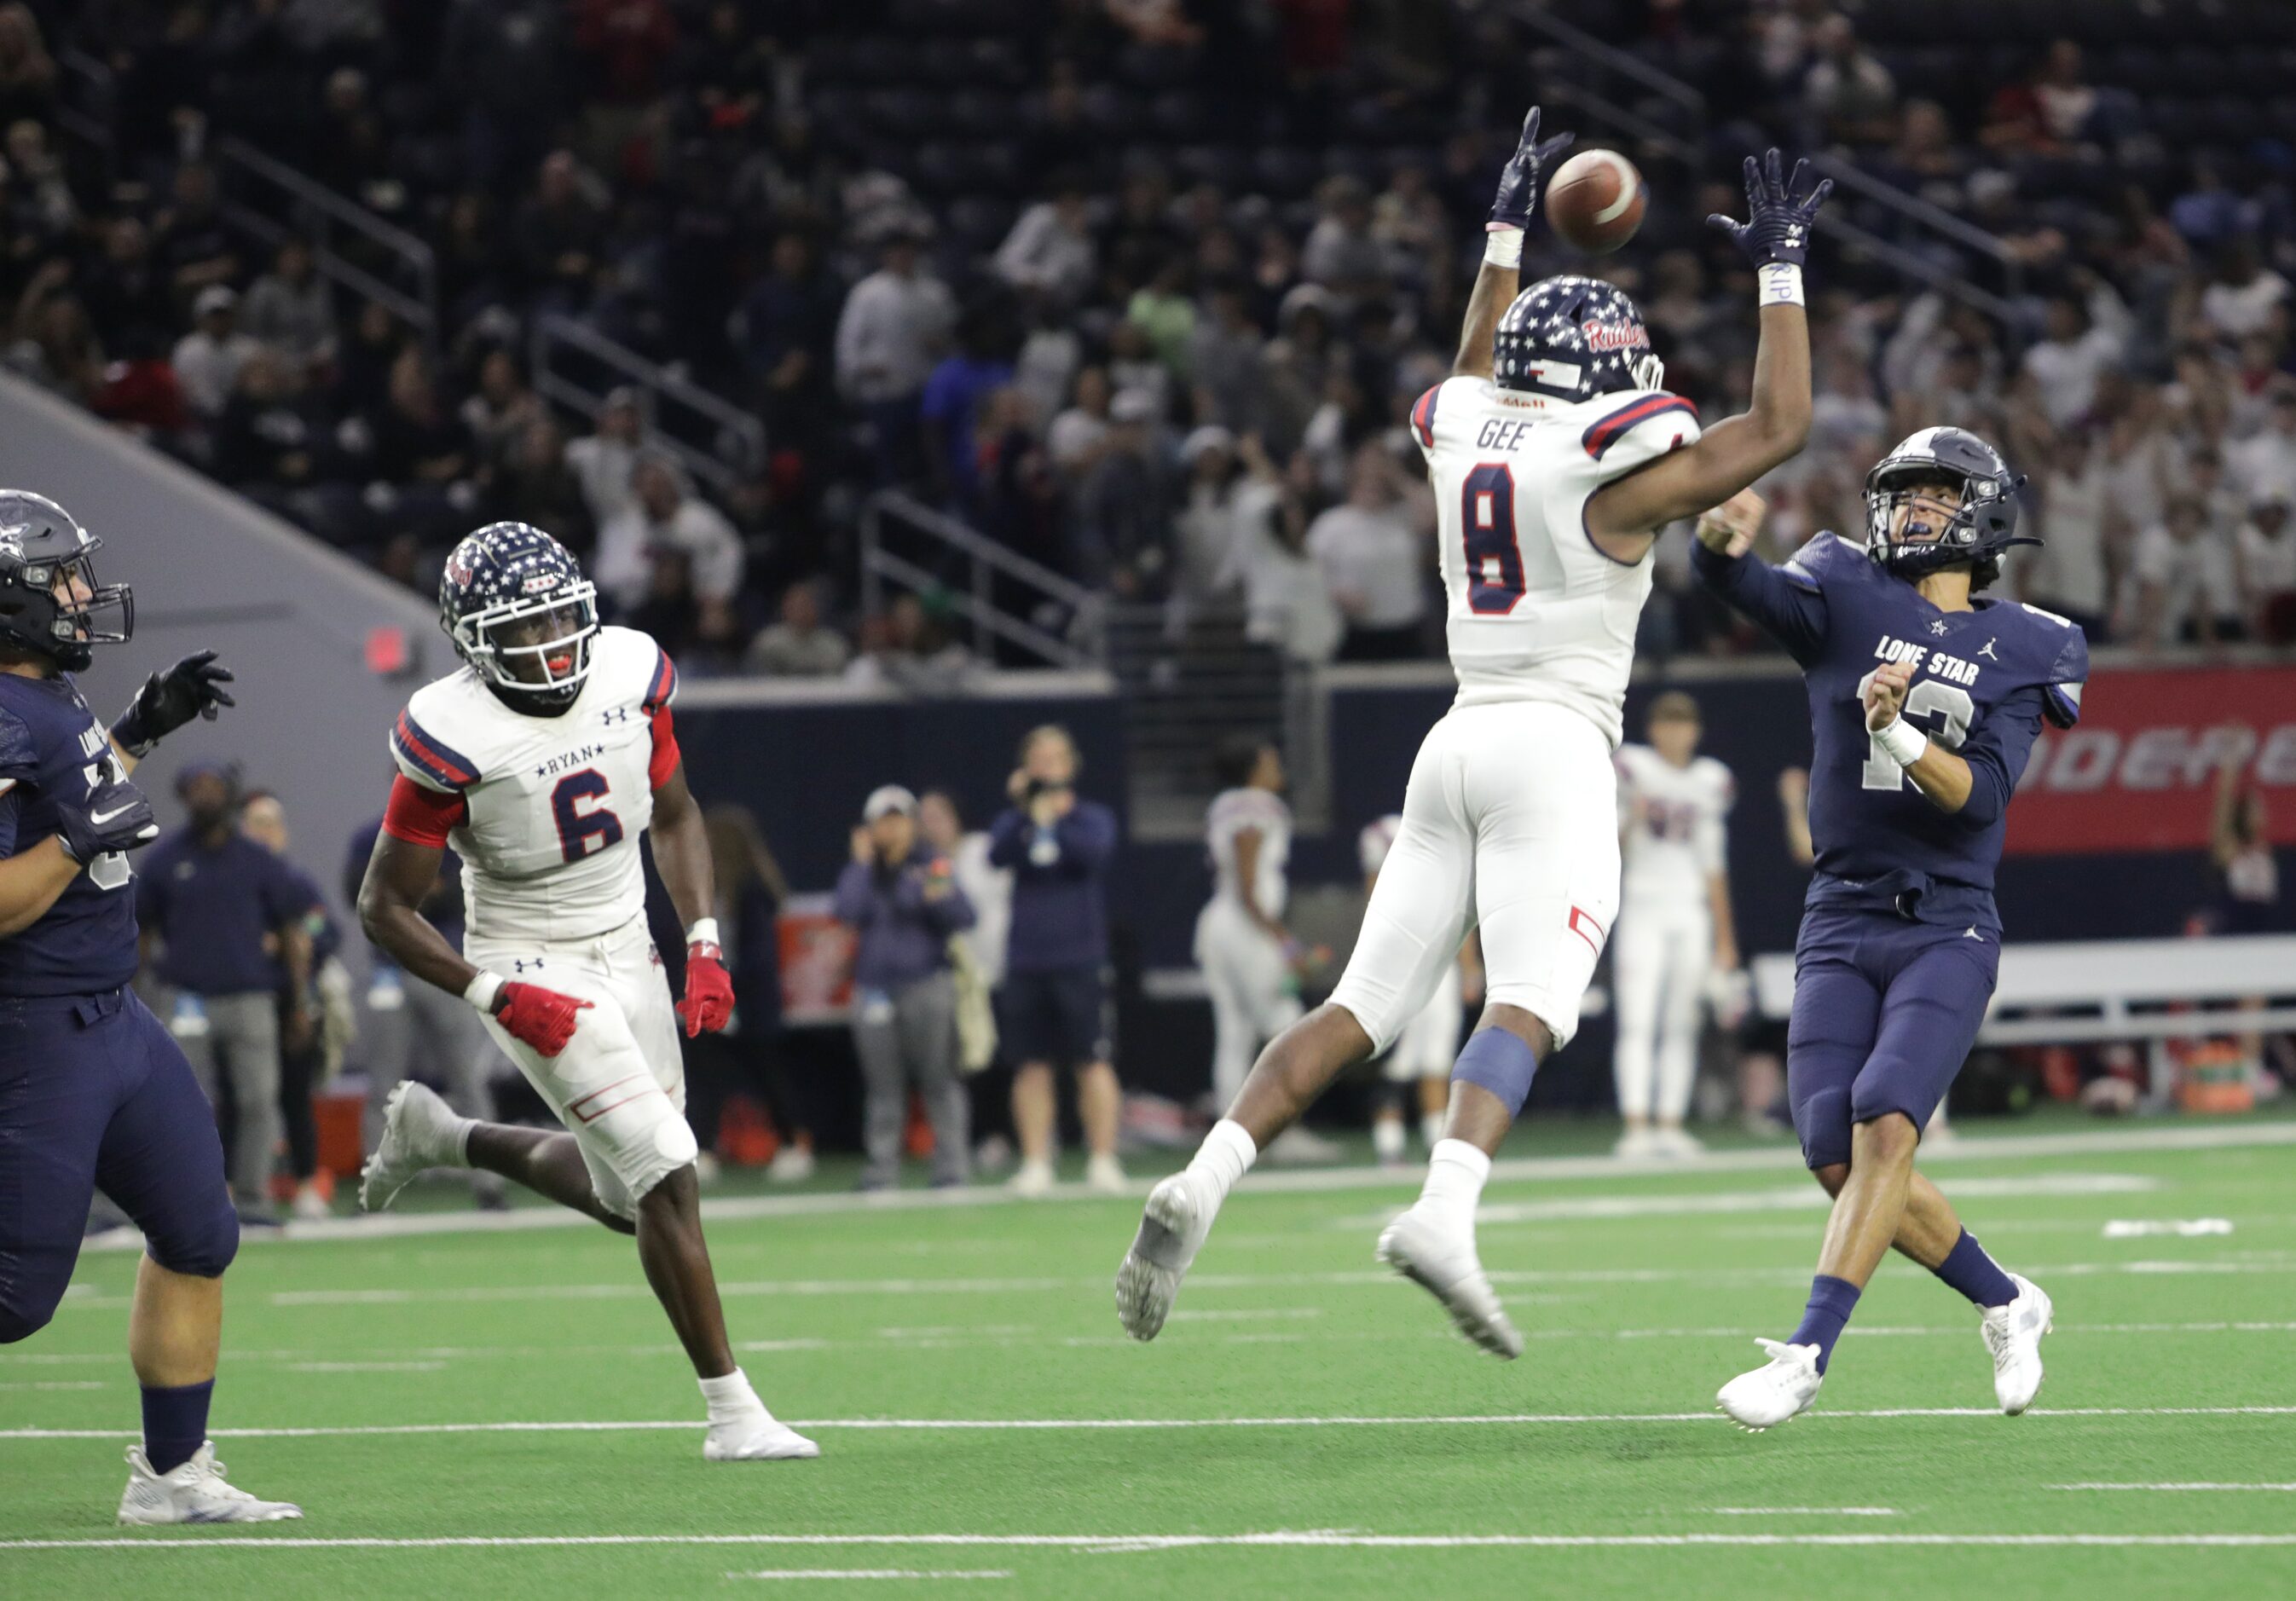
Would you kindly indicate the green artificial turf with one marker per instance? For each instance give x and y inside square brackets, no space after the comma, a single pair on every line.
[1640,1293]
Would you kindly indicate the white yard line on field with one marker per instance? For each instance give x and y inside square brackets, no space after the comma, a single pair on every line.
[2260,1262]
[1497,1420]
[1804,1512]
[1008,1336]
[874,1573]
[2282,1488]
[1790,1197]
[1125,1544]
[1780,1158]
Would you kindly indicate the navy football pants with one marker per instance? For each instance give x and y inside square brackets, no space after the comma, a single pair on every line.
[1884,1013]
[94,1092]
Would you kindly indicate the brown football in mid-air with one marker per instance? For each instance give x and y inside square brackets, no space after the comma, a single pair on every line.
[1595,201]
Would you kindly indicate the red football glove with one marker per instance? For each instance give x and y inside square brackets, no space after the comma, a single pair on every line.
[709,1000]
[541,1018]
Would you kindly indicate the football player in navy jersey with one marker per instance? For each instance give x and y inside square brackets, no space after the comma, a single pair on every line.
[1925,697]
[93,1092]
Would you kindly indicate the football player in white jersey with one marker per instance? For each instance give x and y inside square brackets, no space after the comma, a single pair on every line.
[1250,962]
[543,761]
[1423,1053]
[1674,932]
[1555,457]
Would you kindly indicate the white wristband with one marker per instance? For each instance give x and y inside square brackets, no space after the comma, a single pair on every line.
[1901,742]
[1781,284]
[1502,246]
[484,990]
[704,931]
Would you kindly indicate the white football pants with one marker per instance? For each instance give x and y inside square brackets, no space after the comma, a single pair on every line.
[1660,965]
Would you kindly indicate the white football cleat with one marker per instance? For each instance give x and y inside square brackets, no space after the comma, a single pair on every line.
[1173,1228]
[1447,1269]
[193,1491]
[1779,1389]
[2013,1333]
[1103,1175]
[420,1132]
[756,1437]
[791,1164]
[1032,1179]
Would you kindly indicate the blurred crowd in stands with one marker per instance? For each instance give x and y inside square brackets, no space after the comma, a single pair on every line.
[1140,289]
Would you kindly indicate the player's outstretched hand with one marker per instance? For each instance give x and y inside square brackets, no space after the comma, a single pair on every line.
[116,816]
[1779,213]
[1519,182]
[1728,530]
[1885,694]
[193,687]
[541,1018]
[709,1000]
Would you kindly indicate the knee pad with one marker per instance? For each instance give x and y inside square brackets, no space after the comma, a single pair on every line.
[201,1246]
[1822,1123]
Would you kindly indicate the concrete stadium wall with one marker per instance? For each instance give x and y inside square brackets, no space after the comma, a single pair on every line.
[211,570]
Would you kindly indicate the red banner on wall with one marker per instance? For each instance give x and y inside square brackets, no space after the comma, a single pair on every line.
[2140,771]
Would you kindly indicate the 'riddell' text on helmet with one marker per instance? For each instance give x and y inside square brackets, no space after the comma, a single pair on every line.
[1571,339]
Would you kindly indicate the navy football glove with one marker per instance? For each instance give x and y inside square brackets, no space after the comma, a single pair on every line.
[193,687]
[116,816]
[1778,213]
[1518,194]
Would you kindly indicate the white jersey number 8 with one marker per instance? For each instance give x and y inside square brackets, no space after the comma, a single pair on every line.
[1948,703]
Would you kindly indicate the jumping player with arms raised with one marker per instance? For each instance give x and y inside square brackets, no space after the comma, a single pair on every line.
[1554,457]
[543,761]
[1925,698]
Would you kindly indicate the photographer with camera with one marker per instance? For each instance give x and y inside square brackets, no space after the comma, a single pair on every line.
[1054,1003]
[900,896]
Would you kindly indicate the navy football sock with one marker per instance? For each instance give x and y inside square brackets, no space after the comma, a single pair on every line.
[174,1423]
[1830,1301]
[1967,1268]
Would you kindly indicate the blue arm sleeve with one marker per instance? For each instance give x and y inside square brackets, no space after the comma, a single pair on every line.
[1008,838]
[1789,608]
[855,904]
[1997,754]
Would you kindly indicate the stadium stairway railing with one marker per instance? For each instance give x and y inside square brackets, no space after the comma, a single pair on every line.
[572,365]
[1645,103]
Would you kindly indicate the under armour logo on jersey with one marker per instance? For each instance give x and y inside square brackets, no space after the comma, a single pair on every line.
[521,964]
[1938,627]
[615,715]
[1987,652]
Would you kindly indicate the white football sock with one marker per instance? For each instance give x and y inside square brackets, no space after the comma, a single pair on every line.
[1387,1141]
[1457,1172]
[1226,1155]
[730,1398]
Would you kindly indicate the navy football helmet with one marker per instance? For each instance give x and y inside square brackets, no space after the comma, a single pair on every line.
[1573,338]
[43,551]
[514,602]
[1985,525]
